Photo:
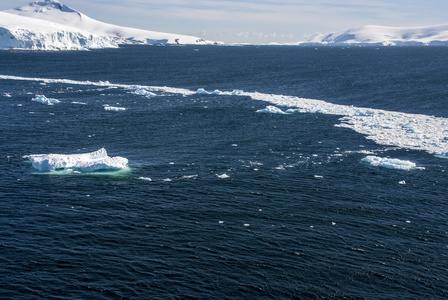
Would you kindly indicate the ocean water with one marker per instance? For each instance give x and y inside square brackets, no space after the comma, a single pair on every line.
[221,200]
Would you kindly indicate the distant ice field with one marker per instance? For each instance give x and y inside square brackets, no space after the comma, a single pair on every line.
[408,131]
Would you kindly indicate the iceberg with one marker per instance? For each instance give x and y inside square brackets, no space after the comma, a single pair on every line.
[45,100]
[390,163]
[86,162]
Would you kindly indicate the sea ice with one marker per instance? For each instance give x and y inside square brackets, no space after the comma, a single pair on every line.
[145,178]
[223,176]
[86,162]
[114,108]
[143,92]
[404,130]
[45,100]
[204,92]
[271,110]
[390,163]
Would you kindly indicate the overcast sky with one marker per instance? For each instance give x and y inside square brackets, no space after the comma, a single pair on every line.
[257,21]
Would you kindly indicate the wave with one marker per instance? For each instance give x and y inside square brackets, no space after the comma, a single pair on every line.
[389,128]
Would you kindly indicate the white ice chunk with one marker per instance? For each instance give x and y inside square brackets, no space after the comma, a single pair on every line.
[145,178]
[271,110]
[143,92]
[87,162]
[45,100]
[202,92]
[390,163]
[223,176]
[114,108]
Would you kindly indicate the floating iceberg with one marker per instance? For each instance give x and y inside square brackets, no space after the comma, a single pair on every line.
[86,162]
[390,163]
[45,100]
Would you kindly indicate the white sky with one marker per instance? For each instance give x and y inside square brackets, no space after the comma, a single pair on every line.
[257,21]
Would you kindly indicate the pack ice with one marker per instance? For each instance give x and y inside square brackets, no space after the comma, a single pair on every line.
[86,162]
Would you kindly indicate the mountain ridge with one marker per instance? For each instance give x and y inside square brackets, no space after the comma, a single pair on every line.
[58,13]
[384,36]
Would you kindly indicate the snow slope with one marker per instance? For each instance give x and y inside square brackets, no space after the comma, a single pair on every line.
[383,35]
[55,11]
[28,33]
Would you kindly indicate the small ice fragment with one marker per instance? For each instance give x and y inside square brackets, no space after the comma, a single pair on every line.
[45,100]
[143,92]
[221,222]
[402,182]
[223,176]
[333,223]
[318,176]
[201,91]
[409,222]
[145,178]
[246,225]
[114,108]
[271,110]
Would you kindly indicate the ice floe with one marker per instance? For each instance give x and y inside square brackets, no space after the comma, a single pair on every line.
[141,91]
[86,162]
[223,176]
[271,110]
[201,91]
[114,108]
[45,100]
[145,178]
[390,163]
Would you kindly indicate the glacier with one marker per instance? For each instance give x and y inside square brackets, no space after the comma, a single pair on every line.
[86,162]
[374,35]
[51,25]
[18,32]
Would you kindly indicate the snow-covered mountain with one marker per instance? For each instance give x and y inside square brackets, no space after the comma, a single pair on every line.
[383,35]
[38,26]
[27,33]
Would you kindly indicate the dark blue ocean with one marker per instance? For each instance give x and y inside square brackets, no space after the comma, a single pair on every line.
[220,201]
